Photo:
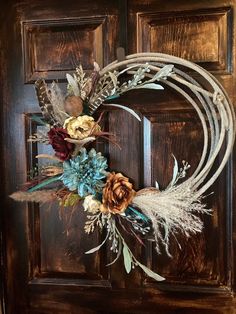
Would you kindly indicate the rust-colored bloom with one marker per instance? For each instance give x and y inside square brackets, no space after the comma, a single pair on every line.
[117,194]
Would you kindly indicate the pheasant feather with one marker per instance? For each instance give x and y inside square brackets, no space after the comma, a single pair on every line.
[45,103]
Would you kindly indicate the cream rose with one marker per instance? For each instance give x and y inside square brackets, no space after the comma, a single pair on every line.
[91,205]
[81,127]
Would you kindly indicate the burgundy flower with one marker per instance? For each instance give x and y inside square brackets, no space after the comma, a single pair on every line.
[62,148]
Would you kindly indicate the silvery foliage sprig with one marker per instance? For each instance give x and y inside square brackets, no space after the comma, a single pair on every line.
[178,173]
[137,223]
[96,220]
[108,85]
[117,243]
[80,84]
[140,80]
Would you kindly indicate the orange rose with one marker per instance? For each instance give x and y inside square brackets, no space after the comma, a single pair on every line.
[118,193]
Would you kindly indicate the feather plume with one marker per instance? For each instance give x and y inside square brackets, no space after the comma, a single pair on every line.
[81,79]
[94,79]
[105,87]
[73,85]
[42,196]
[45,103]
[96,67]
[173,210]
[57,100]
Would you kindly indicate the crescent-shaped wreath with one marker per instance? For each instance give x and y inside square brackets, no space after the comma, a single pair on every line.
[109,199]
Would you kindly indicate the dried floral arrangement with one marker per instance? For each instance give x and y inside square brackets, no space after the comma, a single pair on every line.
[78,174]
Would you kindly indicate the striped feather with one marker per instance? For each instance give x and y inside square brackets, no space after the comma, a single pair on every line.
[45,103]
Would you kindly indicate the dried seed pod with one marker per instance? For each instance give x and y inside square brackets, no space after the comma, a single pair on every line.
[73,105]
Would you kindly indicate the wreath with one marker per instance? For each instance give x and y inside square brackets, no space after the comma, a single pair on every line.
[76,174]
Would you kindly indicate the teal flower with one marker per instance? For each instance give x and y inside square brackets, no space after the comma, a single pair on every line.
[85,172]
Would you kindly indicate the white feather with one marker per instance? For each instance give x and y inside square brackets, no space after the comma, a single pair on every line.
[73,84]
[57,101]
[96,67]
[173,210]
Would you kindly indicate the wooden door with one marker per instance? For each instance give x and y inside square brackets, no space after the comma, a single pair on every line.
[46,270]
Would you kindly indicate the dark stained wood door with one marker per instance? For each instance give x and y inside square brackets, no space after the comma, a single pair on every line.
[46,270]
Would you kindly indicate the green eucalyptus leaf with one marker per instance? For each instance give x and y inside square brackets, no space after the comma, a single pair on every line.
[97,247]
[44,183]
[117,256]
[127,258]
[151,273]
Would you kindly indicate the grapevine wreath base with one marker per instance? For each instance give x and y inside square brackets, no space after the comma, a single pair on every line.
[78,175]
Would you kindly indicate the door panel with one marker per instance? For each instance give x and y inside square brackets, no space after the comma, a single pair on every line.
[57,235]
[203,36]
[66,42]
[47,270]
[181,33]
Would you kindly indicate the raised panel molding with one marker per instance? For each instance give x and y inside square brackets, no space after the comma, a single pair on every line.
[166,133]
[197,263]
[51,48]
[56,239]
[202,36]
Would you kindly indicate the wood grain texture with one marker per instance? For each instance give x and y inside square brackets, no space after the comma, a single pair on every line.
[54,47]
[180,133]
[45,269]
[182,33]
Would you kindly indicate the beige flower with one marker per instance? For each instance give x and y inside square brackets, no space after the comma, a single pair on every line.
[81,127]
[91,205]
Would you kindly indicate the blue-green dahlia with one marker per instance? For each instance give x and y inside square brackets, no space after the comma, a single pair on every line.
[85,172]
